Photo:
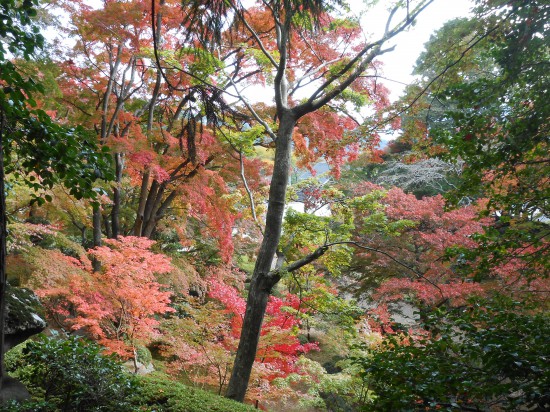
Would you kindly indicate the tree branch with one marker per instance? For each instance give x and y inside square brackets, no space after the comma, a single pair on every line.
[249,192]
[256,37]
[360,62]
[323,249]
[266,126]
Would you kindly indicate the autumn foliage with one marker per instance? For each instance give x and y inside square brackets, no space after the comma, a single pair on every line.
[194,225]
[203,342]
[407,240]
[119,305]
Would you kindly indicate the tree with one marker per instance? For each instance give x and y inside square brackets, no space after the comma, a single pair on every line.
[485,112]
[117,307]
[501,129]
[31,144]
[202,342]
[488,355]
[161,122]
[494,122]
[423,177]
[290,42]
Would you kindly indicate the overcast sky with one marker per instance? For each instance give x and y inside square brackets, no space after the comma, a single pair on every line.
[398,65]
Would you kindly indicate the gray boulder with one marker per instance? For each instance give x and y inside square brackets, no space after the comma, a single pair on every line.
[24,316]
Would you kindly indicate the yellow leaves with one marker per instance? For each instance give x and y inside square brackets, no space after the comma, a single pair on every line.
[245,139]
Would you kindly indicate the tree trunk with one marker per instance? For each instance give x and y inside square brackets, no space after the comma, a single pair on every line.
[96,240]
[3,254]
[142,199]
[262,283]
[107,225]
[151,197]
[115,213]
[157,214]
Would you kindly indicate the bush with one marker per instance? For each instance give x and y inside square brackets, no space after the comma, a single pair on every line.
[488,355]
[28,406]
[71,375]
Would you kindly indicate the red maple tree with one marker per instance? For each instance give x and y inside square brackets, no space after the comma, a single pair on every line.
[119,306]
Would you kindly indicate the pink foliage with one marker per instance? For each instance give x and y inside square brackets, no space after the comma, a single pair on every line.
[159,174]
[423,272]
[142,158]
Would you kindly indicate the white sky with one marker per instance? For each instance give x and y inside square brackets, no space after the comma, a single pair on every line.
[398,65]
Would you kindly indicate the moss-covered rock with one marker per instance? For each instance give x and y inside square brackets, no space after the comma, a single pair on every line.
[24,316]
[158,393]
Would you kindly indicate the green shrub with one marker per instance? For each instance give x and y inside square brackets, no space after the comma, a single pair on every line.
[28,406]
[487,356]
[71,375]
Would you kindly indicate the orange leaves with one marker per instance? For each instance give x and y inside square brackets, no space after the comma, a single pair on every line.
[325,135]
[117,306]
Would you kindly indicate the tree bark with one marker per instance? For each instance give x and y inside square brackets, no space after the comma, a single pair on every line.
[142,199]
[115,213]
[262,279]
[3,254]
[96,240]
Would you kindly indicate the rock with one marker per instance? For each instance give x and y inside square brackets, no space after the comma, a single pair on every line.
[24,316]
[12,389]
[139,368]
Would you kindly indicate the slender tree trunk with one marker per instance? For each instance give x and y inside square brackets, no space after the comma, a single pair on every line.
[82,235]
[142,199]
[140,222]
[149,204]
[3,254]
[115,213]
[96,237]
[151,207]
[262,283]
[107,225]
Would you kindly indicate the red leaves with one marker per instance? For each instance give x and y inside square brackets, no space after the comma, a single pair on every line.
[424,274]
[279,346]
[326,135]
[117,306]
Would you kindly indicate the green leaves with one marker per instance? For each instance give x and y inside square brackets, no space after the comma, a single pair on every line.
[34,146]
[244,140]
[14,16]
[491,114]
[485,354]
[72,374]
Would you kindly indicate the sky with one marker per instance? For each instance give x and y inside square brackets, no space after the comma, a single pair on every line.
[399,64]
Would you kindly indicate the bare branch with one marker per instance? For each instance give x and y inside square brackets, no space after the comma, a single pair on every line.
[253,112]
[256,37]
[249,192]
[360,62]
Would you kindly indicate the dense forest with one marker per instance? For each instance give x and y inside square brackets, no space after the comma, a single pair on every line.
[197,194]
